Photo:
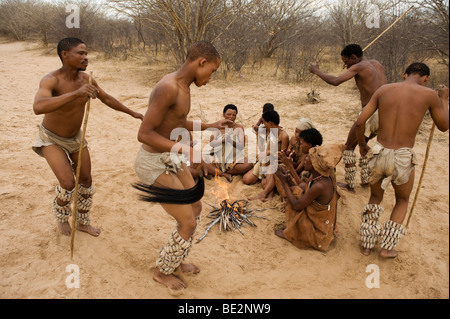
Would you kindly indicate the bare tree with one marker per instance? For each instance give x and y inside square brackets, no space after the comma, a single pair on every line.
[307,47]
[13,20]
[183,22]
[433,15]
[41,17]
[235,43]
[277,21]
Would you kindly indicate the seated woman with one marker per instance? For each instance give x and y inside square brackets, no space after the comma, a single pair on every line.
[228,145]
[307,139]
[312,208]
[293,151]
[263,169]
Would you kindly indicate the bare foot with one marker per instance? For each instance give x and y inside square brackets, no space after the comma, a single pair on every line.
[65,228]
[189,268]
[388,253]
[260,196]
[364,251]
[268,198]
[89,229]
[345,186]
[170,281]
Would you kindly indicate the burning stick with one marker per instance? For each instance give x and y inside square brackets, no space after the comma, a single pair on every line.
[230,215]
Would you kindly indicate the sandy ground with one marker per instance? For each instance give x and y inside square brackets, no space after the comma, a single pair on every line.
[119,263]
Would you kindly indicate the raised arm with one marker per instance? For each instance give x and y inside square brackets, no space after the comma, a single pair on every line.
[334,80]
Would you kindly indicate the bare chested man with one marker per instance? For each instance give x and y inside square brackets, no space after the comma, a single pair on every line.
[401,107]
[369,75]
[162,162]
[61,97]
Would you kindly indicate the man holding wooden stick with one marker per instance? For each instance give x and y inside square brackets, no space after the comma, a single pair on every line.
[61,97]
[369,75]
[401,108]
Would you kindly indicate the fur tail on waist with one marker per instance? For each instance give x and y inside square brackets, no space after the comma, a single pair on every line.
[171,196]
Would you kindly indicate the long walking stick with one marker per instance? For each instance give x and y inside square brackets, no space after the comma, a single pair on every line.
[387,29]
[75,199]
[422,174]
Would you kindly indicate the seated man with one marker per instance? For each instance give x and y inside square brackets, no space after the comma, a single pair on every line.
[264,169]
[312,208]
[227,155]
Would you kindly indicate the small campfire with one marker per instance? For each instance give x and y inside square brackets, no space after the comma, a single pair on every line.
[231,214]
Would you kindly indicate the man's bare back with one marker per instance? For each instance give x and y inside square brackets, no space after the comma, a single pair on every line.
[400,101]
[369,77]
[401,108]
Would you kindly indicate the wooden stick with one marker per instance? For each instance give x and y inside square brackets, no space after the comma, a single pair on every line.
[422,174]
[75,199]
[386,29]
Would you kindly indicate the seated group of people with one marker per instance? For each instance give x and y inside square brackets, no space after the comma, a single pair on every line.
[300,169]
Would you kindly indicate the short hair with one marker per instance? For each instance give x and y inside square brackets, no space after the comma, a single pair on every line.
[268,107]
[271,116]
[312,136]
[203,49]
[418,68]
[230,107]
[351,49]
[67,44]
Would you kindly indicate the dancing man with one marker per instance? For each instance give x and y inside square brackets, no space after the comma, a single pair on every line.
[369,76]
[61,97]
[162,163]
[401,107]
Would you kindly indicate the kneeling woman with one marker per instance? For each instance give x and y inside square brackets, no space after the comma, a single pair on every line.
[312,207]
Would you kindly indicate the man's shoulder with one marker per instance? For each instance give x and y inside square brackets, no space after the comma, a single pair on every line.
[374,62]
[367,64]
[168,84]
[50,78]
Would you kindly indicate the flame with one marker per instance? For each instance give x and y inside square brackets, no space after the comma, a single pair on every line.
[221,189]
